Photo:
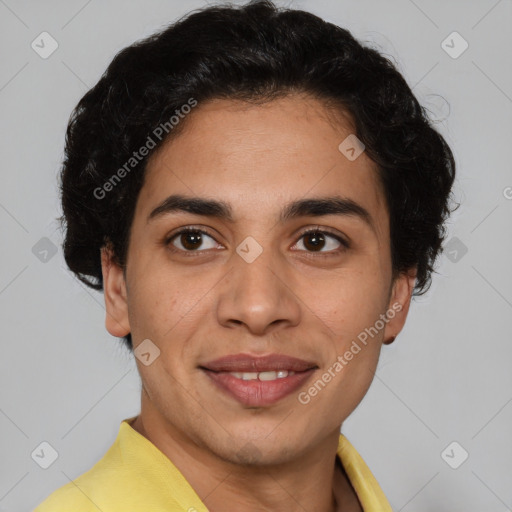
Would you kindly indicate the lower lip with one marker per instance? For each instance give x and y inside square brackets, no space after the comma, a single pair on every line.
[257,393]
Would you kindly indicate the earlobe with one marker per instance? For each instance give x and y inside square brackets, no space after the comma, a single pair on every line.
[114,287]
[399,303]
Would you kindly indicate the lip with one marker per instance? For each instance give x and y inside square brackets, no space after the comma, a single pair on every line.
[256,393]
[250,363]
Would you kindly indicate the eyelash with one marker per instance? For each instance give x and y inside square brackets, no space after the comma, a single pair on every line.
[344,244]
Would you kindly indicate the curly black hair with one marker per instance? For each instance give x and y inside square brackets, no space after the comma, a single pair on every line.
[254,52]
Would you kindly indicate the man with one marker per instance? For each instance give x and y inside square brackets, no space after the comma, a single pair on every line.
[259,196]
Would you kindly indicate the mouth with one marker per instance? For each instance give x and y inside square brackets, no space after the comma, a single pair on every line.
[258,381]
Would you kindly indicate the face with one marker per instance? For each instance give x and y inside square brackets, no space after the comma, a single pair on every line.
[248,279]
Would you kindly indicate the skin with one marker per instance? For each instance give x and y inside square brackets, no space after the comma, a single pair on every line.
[290,300]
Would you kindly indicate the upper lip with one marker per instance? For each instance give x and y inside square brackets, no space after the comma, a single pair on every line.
[250,363]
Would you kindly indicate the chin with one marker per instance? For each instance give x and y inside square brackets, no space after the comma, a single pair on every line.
[254,454]
[259,448]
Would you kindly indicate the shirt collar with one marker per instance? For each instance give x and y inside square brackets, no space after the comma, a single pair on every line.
[368,491]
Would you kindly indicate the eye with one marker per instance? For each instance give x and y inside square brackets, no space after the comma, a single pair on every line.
[315,240]
[191,239]
[194,240]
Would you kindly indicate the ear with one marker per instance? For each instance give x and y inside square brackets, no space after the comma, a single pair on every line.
[114,287]
[399,302]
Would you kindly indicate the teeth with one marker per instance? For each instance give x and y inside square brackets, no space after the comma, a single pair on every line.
[270,375]
[249,376]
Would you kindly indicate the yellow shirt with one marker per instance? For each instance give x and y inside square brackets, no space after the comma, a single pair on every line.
[135,476]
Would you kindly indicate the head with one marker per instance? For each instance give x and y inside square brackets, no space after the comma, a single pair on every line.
[236,123]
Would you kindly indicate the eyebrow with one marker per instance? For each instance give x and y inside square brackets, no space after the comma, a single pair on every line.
[310,207]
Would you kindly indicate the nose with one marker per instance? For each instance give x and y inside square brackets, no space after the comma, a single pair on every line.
[259,295]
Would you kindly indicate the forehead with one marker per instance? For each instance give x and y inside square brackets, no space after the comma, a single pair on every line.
[257,157]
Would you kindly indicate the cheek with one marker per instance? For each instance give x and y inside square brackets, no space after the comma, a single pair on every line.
[153,307]
[167,309]
[348,302]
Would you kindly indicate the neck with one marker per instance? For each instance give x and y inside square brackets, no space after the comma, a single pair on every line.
[313,481]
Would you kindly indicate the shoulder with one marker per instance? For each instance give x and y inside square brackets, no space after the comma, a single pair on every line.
[65,499]
[89,491]
[96,490]
[132,476]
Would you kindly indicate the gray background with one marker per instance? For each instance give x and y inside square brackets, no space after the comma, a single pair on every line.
[446,378]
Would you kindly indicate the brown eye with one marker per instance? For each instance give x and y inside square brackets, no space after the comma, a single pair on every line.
[316,240]
[191,240]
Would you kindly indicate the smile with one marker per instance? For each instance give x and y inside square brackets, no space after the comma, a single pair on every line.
[259,389]
[271,375]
